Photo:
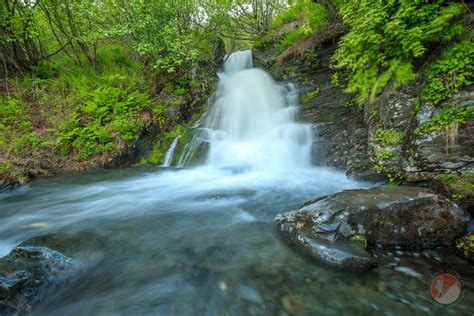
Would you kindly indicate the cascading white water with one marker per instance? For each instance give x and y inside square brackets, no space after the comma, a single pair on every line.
[170,152]
[238,61]
[251,121]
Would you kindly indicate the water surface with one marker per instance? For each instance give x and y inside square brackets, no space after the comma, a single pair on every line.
[200,241]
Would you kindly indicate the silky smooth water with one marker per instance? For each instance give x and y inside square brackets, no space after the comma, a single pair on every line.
[252,123]
[200,241]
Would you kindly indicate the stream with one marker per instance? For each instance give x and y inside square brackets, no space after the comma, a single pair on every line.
[200,241]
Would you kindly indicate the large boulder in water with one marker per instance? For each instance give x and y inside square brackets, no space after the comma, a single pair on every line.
[407,217]
[29,274]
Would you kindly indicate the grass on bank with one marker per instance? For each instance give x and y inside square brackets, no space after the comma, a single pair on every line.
[69,112]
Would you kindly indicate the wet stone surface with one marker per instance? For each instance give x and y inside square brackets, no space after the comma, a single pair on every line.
[336,229]
[29,274]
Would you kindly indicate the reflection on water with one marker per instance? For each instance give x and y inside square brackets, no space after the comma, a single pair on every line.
[201,241]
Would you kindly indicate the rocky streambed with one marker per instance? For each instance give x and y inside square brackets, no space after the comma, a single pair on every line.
[216,244]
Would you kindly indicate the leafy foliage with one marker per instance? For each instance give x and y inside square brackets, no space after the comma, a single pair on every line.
[20,47]
[307,17]
[81,112]
[453,70]
[85,78]
[390,136]
[16,129]
[386,37]
[107,113]
[448,117]
[466,245]
[69,90]
[384,154]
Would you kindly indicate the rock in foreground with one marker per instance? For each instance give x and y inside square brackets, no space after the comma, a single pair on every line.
[331,228]
[28,274]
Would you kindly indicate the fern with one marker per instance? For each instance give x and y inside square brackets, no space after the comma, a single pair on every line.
[386,37]
[310,17]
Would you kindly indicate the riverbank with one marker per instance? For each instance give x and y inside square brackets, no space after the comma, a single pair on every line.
[67,118]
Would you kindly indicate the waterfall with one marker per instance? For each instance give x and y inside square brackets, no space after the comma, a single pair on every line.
[238,61]
[251,122]
[170,152]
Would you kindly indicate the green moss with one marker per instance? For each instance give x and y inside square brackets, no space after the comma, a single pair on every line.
[379,158]
[5,167]
[310,95]
[316,115]
[175,132]
[459,186]
[390,136]
[378,168]
[360,239]
[157,155]
[375,114]
[394,179]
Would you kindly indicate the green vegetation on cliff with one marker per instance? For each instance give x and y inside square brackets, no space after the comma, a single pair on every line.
[307,17]
[453,70]
[83,81]
[387,37]
[383,45]
[408,65]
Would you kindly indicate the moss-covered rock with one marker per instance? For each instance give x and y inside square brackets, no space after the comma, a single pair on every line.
[329,228]
[458,187]
[29,274]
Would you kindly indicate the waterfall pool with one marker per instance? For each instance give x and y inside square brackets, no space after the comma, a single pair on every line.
[201,242]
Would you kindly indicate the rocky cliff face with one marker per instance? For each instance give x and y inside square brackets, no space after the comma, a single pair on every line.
[381,142]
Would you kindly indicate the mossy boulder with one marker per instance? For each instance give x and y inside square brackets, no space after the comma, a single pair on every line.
[29,274]
[459,187]
[404,217]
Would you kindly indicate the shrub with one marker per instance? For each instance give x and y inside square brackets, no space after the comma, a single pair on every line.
[386,37]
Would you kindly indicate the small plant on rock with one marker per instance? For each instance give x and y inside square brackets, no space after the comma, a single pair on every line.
[466,245]
[390,136]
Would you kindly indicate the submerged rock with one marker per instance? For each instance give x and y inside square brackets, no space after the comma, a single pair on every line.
[328,228]
[28,274]
[6,186]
